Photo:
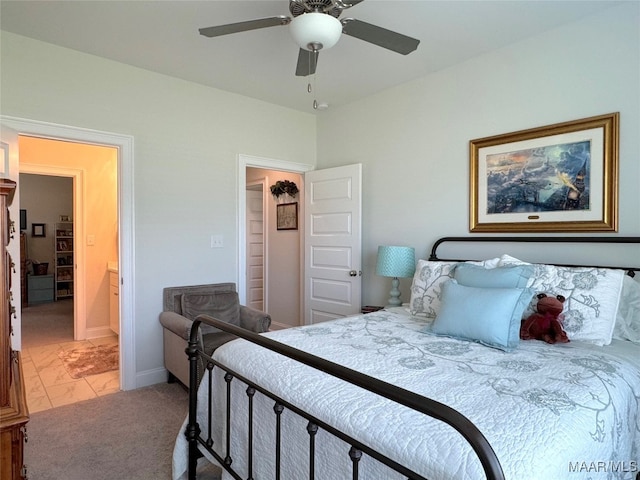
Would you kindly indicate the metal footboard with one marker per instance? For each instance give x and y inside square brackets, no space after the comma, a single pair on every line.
[197,439]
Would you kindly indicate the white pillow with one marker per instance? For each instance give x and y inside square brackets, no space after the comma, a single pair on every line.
[592,297]
[426,289]
[628,317]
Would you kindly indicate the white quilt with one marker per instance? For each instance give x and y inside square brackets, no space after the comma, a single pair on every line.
[569,411]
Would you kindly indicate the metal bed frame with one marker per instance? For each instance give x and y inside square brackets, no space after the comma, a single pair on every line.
[612,240]
[427,406]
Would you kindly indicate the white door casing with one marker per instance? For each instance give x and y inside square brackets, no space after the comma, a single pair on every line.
[333,236]
[255,248]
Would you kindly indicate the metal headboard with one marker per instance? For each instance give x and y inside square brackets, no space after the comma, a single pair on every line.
[588,240]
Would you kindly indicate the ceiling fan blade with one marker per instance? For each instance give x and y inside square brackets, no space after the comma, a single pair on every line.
[244,26]
[307,62]
[348,3]
[379,36]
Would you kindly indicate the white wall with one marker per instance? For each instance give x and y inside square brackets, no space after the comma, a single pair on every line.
[187,138]
[413,140]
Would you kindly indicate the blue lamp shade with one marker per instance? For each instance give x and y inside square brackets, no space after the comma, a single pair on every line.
[396,262]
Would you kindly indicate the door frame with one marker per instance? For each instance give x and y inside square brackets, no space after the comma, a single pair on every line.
[79,301]
[245,161]
[126,236]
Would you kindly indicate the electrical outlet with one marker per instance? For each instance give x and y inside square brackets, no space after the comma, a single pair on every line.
[217,241]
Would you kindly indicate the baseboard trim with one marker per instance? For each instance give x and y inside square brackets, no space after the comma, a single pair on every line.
[151,377]
[97,332]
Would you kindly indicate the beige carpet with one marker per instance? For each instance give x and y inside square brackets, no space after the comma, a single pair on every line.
[82,362]
[123,436]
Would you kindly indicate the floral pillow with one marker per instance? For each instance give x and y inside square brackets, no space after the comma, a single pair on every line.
[426,289]
[592,297]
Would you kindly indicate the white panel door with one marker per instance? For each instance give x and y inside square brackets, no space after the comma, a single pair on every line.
[333,273]
[255,250]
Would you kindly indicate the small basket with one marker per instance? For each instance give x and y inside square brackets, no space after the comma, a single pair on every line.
[40,268]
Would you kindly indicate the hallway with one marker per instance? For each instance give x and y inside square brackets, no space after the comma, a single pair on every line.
[47,329]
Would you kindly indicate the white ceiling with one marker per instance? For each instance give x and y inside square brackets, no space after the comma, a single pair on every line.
[162,36]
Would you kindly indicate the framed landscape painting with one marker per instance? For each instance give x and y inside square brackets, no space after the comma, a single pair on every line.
[557,178]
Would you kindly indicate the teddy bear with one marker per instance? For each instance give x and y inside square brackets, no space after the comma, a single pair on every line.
[545,324]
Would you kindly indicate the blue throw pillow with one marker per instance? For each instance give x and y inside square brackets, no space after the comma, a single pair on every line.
[515,276]
[490,316]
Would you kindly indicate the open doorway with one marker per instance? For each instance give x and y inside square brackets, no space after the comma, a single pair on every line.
[329,214]
[273,251]
[47,260]
[93,213]
[283,248]
[12,127]
[71,190]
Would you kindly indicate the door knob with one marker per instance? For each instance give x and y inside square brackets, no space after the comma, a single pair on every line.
[354,273]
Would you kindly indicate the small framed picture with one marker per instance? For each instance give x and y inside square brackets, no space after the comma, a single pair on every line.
[65,218]
[287,214]
[38,230]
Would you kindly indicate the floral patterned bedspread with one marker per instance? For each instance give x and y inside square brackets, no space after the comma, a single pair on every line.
[569,411]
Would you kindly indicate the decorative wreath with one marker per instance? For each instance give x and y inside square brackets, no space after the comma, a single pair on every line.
[282,187]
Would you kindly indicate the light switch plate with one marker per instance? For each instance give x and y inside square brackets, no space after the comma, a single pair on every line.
[217,241]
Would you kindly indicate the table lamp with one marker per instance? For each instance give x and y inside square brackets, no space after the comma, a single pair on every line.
[395,262]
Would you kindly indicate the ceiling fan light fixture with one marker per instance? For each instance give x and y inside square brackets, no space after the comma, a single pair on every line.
[313,31]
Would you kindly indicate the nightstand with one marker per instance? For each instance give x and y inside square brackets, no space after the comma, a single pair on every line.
[371,308]
[40,289]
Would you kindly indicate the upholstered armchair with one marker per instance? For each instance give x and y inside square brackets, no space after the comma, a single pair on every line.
[181,305]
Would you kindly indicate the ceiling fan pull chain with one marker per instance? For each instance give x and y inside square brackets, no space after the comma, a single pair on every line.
[315,100]
[315,89]
[309,89]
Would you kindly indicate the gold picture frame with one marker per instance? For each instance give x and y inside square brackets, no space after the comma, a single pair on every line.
[557,178]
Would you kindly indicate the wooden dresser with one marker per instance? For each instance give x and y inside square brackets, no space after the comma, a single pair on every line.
[13,403]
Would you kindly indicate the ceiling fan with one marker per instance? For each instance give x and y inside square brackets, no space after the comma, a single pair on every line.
[315,25]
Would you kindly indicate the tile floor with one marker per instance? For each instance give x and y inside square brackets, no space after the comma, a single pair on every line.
[48,384]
